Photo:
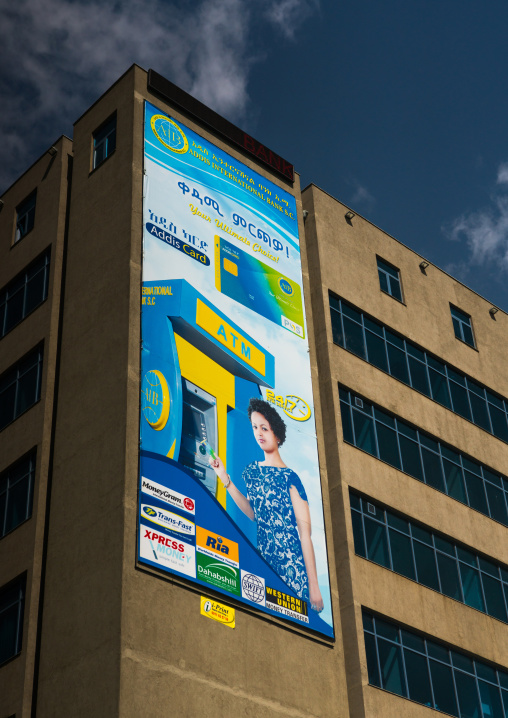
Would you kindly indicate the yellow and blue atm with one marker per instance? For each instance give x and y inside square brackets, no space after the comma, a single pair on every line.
[199,370]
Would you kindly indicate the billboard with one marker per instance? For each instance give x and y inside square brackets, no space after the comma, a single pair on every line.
[230,494]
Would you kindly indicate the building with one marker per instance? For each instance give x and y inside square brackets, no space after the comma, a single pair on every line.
[410,408]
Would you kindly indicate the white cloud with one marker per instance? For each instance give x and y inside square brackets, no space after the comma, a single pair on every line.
[485,232]
[57,56]
[362,197]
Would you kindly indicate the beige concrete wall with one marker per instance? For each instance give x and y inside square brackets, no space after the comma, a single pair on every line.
[344,262]
[21,549]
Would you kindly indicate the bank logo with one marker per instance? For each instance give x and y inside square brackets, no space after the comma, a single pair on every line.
[168,519]
[218,574]
[285,286]
[253,588]
[216,546]
[169,134]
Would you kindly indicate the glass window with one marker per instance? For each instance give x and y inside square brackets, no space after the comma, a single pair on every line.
[25,216]
[389,279]
[104,141]
[16,491]
[462,326]
[11,619]
[392,353]
[20,387]
[24,293]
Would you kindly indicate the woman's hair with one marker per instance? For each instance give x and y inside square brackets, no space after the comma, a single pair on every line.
[277,425]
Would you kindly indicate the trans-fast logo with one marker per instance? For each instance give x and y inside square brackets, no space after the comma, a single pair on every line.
[158,491]
[168,519]
[285,286]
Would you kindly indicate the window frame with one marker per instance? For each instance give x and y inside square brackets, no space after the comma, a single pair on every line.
[42,263]
[17,585]
[8,475]
[458,473]
[25,212]
[12,376]
[391,273]
[101,139]
[378,345]
[460,320]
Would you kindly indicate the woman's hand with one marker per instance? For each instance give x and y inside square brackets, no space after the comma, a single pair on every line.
[316,600]
[219,469]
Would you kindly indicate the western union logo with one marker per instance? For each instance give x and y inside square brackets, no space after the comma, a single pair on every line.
[233,340]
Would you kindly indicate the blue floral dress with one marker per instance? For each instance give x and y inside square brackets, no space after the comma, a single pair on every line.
[278,539]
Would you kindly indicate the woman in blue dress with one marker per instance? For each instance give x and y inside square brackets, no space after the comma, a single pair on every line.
[277,501]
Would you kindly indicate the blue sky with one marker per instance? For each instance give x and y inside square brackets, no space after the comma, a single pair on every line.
[398,109]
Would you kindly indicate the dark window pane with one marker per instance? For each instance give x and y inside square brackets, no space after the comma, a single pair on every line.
[490,698]
[395,288]
[426,566]
[499,425]
[398,366]
[468,695]
[337,334]
[351,313]
[388,447]
[397,522]
[454,481]
[8,631]
[436,650]
[461,661]
[35,291]
[376,350]
[354,337]
[358,534]
[433,470]
[468,334]
[28,385]
[402,556]
[364,432]
[372,664]
[494,597]
[467,556]
[347,429]
[442,684]
[419,378]
[480,413]
[17,504]
[411,640]
[470,578]
[387,630]
[421,534]
[476,493]
[392,672]
[418,678]
[460,401]
[7,408]
[439,388]
[383,282]
[449,575]
[497,503]
[377,545]
[394,339]
[411,458]
[444,546]
[14,313]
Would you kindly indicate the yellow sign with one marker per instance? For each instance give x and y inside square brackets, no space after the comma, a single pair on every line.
[292,405]
[218,612]
[232,339]
[215,545]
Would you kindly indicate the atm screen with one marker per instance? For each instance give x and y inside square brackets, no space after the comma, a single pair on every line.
[199,433]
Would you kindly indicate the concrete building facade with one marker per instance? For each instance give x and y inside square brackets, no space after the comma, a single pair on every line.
[409,386]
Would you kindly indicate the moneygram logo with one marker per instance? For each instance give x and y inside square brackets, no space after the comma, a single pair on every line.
[158,491]
[168,519]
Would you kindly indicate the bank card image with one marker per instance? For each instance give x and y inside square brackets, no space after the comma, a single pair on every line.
[258,286]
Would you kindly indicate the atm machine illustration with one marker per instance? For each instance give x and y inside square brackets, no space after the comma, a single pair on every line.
[199,370]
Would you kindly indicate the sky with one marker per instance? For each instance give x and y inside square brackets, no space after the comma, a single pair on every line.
[398,109]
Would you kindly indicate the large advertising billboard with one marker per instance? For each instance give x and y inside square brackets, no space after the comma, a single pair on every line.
[230,493]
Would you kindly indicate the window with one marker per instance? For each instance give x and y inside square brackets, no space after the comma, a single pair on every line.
[16,493]
[423,457]
[428,672]
[462,326]
[389,279]
[104,141]
[377,344]
[24,293]
[25,216]
[12,598]
[20,387]
[410,549]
